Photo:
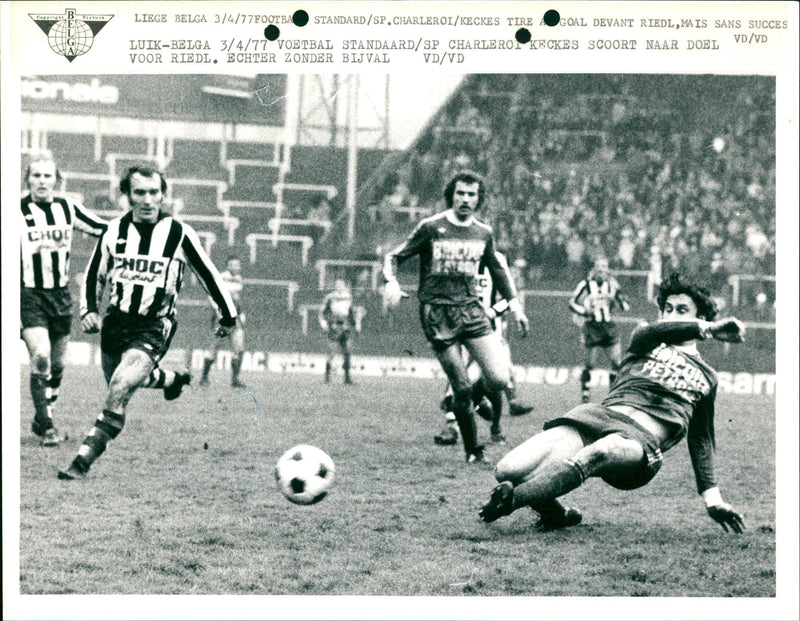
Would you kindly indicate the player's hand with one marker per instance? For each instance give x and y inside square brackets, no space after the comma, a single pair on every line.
[222,332]
[522,324]
[392,293]
[727,517]
[90,323]
[729,330]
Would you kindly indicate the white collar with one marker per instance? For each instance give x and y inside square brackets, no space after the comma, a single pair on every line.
[451,218]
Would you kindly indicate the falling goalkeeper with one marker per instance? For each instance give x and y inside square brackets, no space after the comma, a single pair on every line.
[664,391]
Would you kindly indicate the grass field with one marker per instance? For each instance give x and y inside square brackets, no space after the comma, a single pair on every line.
[162,514]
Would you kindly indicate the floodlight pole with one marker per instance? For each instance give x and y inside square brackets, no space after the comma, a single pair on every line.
[352,154]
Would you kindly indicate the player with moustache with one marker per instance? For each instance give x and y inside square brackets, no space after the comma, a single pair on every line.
[47,226]
[664,392]
[453,246]
[141,260]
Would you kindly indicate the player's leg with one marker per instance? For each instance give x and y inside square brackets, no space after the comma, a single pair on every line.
[58,361]
[525,463]
[492,358]
[614,355]
[211,353]
[515,407]
[37,341]
[237,343]
[453,365]
[134,368]
[155,339]
[449,433]
[333,351]
[589,362]
[344,345]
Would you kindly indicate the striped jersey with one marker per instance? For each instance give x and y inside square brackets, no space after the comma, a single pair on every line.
[46,239]
[234,284]
[142,265]
[451,255]
[594,298]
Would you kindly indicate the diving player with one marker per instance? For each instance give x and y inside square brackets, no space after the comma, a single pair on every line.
[664,391]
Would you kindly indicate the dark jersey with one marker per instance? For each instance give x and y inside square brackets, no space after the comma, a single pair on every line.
[46,239]
[452,254]
[143,265]
[674,386]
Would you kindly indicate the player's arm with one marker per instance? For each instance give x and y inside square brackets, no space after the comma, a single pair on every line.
[576,301]
[645,338]
[504,283]
[324,314]
[210,279]
[94,279]
[620,299]
[87,222]
[700,439]
[395,257]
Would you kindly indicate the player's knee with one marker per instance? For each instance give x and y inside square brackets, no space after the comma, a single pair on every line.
[611,449]
[40,363]
[462,391]
[496,379]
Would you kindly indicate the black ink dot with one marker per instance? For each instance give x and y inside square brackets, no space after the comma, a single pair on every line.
[523,35]
[215,61]
[551,17]
[272,32]
[300,18]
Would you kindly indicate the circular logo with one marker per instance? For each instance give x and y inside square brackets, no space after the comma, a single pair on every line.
[70,38]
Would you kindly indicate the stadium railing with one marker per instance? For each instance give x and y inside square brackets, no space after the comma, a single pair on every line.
[351,268]
[305,242]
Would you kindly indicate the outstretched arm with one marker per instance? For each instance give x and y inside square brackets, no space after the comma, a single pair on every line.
[700,440]
[647,337]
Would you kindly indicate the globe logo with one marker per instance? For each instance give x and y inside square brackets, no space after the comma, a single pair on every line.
[70,35]
[70,38]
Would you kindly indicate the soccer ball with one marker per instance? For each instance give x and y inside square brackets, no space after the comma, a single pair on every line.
[304,473]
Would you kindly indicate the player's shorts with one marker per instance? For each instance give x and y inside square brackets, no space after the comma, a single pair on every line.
[338,332]
[594,421]
[599,334]
[445,325]
[122,332]
[46,308]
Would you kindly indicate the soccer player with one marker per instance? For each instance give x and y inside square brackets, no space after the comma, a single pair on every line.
[337,318]
[488,405]
[232,278]
[453,246]
[47,226]
[141,259]
[663,392]
[593,300]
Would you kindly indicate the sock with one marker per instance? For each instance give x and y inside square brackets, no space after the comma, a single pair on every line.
[586,377]
[236,366]
[328,371]
[107,427]
[612,376]
[450,419]
[346,367]
[56,375]
[496,399]
[550,481]
[550,510]
[42,417]
[207,362]
[478,391]
[462,409]
[159,378]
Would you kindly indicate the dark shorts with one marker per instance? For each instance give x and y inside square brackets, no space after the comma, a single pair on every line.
[46,308]
[122,332]
[445,325]
[599,334]
[339,332]
[594,421]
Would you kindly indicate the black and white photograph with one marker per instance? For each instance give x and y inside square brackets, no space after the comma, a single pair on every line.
[320,334]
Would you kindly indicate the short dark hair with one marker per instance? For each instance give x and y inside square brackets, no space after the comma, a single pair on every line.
[465,176]
[675,285]
[144,171]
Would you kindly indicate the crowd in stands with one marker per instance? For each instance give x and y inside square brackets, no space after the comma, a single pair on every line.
[610,172]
